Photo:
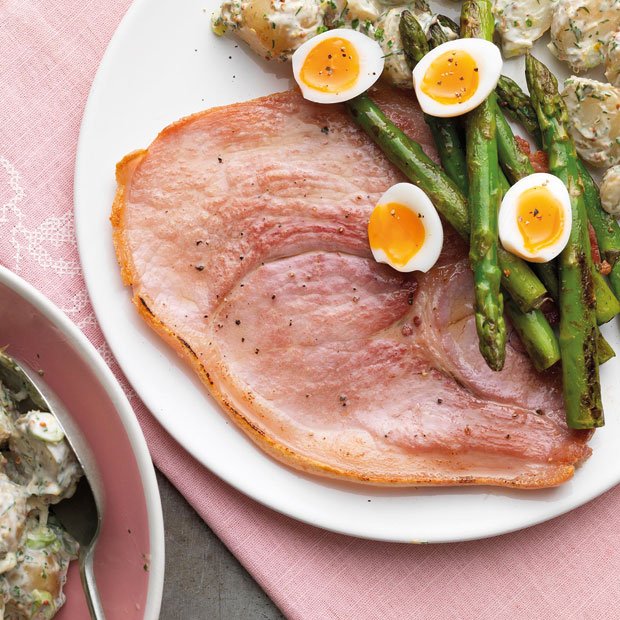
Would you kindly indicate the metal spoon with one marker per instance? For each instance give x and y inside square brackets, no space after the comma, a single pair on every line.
[80,515]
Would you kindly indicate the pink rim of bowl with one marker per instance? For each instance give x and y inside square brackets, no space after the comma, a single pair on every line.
[129,560]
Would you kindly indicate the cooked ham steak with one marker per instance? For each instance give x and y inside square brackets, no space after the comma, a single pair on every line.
[242,231]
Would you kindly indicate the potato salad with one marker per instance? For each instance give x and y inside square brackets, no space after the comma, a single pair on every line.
[610,191]
[584,34]
[37,469]
[276,29]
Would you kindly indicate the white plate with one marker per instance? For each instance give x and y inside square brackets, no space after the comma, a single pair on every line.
[164,63]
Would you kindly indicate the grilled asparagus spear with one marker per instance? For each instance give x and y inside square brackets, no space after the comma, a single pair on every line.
[415,45]
[484,197]
[578,330]
[518,106]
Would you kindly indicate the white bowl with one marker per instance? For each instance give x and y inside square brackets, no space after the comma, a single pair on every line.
[129,559]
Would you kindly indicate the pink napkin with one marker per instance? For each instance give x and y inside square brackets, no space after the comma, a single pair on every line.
[568,568]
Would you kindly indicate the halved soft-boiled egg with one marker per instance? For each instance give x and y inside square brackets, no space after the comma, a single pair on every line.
[337,65]
[404,230]
[457,76]
[535,218]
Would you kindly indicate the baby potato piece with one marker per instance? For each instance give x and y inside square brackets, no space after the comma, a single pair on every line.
[594,120]
[521,23]
[581,29]
[273,29]
[610,191]
[612,64]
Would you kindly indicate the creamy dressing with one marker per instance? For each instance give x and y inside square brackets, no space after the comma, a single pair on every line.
[37,468]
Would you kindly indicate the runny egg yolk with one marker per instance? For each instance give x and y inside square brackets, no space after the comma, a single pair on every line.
[540,218]
[451,78]
[397,230]
[332,66]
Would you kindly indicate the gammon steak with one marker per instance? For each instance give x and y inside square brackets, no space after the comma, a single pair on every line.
[242,231]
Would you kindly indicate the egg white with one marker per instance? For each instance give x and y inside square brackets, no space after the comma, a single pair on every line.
[507,221]
[488,59]
[371,62]
[420,204]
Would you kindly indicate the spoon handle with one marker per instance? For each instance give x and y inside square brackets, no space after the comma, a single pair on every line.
[90,585]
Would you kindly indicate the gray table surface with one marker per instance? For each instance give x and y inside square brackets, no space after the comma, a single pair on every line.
[203,579]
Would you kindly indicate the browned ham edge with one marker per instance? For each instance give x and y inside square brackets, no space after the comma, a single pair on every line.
[242,232]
